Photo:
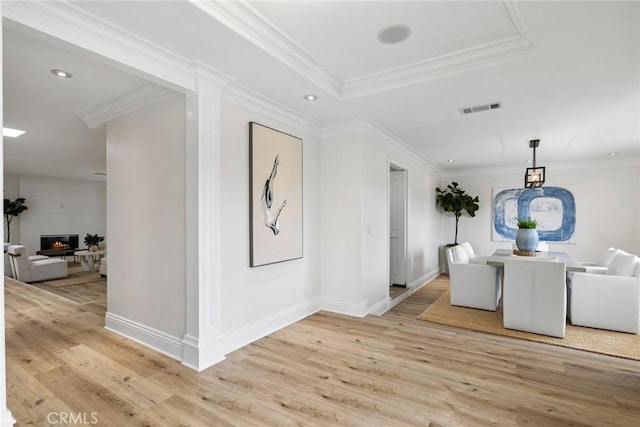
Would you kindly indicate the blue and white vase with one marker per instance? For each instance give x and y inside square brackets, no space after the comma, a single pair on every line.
[527,239]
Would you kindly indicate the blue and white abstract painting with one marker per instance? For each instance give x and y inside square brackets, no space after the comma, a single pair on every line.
[553,207]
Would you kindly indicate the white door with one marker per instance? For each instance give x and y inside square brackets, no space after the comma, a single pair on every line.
[397,227]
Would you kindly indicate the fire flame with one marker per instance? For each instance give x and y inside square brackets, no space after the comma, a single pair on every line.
[59,245]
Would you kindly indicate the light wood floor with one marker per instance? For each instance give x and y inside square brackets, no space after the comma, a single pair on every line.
[326,370]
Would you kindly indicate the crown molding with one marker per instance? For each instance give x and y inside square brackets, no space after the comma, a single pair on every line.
[144,96]
[80,28]
[371,129]
[210,79]
[250,24]
[244,97]
[511,7]
[486,55]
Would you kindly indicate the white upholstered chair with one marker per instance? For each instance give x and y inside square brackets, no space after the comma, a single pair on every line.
[8,270]
[610,300]
[535,296]
[103,266]
[32,270]
[7,263]
[601,265]
[472,285]
[473,258]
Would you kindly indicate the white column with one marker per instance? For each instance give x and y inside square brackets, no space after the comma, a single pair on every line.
[203,201]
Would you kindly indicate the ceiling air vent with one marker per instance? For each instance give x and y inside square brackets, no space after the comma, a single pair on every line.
[478,108]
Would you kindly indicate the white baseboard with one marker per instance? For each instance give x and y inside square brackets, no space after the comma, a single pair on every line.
[399,299]
[6,419]
[164,343]
[380,307]
[415,285]
[349,308]
[201,355]
[423,280]
[194,359]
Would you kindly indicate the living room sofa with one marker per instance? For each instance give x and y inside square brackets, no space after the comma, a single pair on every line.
[28,269]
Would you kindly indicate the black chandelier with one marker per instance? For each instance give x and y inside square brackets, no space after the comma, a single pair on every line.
[534,177]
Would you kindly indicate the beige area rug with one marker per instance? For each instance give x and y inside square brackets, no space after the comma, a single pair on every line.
[76,278]
[594,340]
[79,286]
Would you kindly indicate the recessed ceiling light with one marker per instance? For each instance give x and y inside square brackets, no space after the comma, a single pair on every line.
[450,160]
[394,34]
[12,133]
[61,73]
[310,97]
[613,153]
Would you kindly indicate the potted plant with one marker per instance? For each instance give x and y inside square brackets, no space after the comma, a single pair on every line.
[527,236]
[93,242]
[455,199]
[11,210]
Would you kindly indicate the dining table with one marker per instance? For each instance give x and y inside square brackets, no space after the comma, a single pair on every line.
[500,255]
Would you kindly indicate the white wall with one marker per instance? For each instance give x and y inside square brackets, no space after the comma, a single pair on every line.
[607,208]
[341,210]
[255,300]
[423,219]
[374,227]
[355,219]
[146,224]
[60,206]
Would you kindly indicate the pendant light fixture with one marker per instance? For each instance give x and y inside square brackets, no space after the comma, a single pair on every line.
[534,177]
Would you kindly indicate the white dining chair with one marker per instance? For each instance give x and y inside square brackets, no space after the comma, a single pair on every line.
[534,296]
[472,285]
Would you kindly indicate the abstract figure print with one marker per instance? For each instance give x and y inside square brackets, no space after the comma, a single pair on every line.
[270,217]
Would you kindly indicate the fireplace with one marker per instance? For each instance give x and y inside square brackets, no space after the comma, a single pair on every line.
[58,243]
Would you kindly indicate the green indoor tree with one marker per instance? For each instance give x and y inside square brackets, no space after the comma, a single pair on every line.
[12,210]
[455,199]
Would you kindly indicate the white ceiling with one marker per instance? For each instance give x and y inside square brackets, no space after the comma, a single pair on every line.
[565,72]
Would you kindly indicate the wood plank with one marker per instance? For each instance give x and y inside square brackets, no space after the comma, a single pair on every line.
[326,369]
[117,378]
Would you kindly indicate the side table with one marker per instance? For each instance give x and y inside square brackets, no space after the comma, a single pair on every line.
[90,261]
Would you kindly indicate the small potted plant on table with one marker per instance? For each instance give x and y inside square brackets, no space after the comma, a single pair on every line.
[527,236]
[93,242]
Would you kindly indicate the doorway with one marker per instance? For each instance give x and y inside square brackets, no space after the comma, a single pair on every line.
[397,230]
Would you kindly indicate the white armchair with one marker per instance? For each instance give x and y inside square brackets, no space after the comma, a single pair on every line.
[535,296]
[8,269]
[32,270]
[472,285]
[608,301]
[473,258]
[103,267]
[601,266]
[7,263]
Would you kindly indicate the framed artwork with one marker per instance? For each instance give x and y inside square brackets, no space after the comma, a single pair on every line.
[275,169]
[553,207]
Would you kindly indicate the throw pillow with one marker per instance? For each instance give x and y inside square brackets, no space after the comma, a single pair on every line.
[622,264]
